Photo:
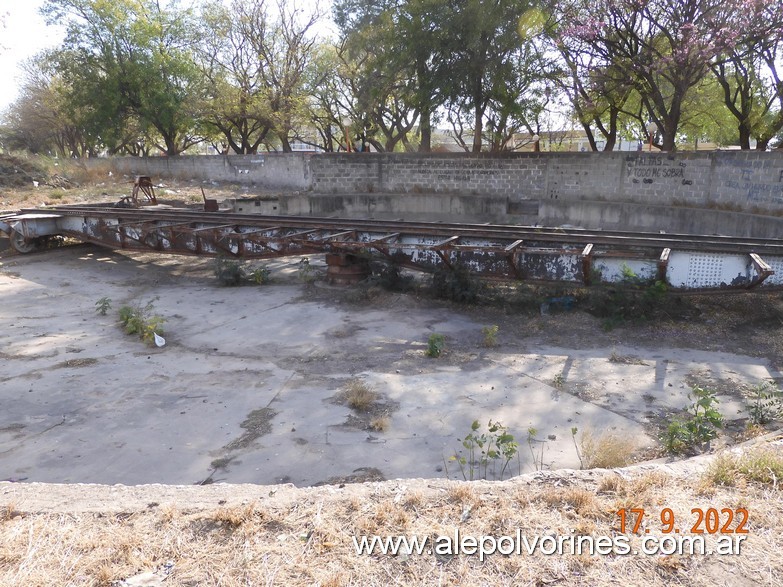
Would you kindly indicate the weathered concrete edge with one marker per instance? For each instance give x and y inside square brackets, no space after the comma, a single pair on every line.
[87,498]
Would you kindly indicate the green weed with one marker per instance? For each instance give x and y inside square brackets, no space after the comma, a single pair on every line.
[436,344]
[103,305]
[142,321]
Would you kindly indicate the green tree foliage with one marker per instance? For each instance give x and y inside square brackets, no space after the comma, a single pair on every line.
[397,48]
[750,77]
[258,61]
[130,60]
[663,48]
[497,72]
[134,76]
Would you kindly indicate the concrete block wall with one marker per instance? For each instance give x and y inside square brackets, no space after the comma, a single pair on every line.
[269,170]
[503,175]
[740,180]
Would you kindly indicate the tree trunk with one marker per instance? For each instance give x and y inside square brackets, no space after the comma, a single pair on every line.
[744,136]
[425,129]
[611,137]
[478,130]
[172,149]
[669,144]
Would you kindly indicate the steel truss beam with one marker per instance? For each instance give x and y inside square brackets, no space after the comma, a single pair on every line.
[535,254]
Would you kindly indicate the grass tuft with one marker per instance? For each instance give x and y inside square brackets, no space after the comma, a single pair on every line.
[359,396]
[606,451]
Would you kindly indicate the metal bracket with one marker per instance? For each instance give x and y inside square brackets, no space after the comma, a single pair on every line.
[762,268]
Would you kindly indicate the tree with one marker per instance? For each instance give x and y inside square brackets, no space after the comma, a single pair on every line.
[750,77]
[402,42]
[482,39]
[236,101]
[662,47]
[40,120]
[379,95]
[131,58]
[598,97]
[330,99]
[285,50]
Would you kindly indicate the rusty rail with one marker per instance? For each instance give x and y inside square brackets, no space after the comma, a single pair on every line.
[535,254]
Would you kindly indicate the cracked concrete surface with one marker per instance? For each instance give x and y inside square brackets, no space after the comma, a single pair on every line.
[243,391]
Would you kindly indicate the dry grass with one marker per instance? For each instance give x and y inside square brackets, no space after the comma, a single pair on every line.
[380,424]
[574,499]
[611,484]
[606,451]
[359,396]
[289,536]
[761,466]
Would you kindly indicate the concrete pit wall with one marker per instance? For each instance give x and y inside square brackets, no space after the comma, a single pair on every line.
[271,171]
[724,192]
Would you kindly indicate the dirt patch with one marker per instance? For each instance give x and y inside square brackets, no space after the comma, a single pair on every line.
[360,475]
[16,172]
[707,380]
[75,363]
[369,408]
[625,359]
[257,424]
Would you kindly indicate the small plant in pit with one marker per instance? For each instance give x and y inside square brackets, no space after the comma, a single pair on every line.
[455,284]
[496,446]
[379,424]
[142,320]
[532,441]
[766,403]
[490,334]
[231,273]
[259,275]
[228,271]
[306,271]
[699,425]
[635,300]
[558,381]
[436,343]
[103,305]
[390,277]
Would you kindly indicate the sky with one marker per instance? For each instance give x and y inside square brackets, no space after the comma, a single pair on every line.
[25,33]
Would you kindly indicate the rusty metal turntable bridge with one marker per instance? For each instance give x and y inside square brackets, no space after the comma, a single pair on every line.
[502,252]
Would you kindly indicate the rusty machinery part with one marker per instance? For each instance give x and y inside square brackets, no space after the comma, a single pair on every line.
[142,184]
[22,244]
[569,256]
[210,205]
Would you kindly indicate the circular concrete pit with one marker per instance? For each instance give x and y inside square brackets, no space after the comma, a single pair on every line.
[251,384]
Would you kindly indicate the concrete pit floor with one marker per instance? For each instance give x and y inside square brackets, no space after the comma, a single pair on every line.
[247,388]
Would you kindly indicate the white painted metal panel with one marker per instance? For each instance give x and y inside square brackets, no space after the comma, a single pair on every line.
[693,269]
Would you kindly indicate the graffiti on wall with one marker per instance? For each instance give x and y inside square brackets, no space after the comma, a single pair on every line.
[753,188]
[650,168]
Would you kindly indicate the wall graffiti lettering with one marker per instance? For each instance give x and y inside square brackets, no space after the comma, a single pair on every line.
[650,167]
[756,191]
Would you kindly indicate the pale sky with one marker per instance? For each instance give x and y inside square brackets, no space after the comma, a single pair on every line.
[24,35]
